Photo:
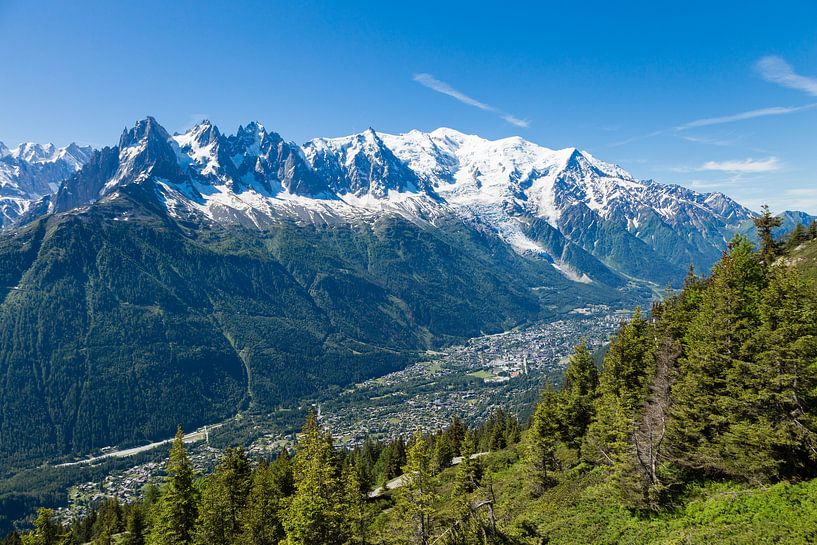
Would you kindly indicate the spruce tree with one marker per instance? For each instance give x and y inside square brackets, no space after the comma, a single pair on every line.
[796,237]
[456,433]
[109,520]
[315,512]
[812,230]
[623,387]
[177,509]
[261,520]
[135,527]
[46,530]
[580,382]
[354,506]
[715,372]
[417,496]
[781,395]
[541,441]
[765,224]
[224,497]
[469,471]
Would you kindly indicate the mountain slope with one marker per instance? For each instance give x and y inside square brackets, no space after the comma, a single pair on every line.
[118,323]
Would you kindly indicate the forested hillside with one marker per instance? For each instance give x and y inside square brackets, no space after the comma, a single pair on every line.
[118,324]
[700,428]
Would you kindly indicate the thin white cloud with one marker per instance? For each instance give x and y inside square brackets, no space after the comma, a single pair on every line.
[427,80]
[775,70]
[712,141]
[772,69]
[513,120]
[711,121]
[747,165]
[751,114]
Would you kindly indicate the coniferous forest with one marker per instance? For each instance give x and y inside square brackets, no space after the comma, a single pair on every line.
[700,427]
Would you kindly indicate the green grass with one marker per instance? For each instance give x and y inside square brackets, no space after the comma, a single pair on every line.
[484,375]
[805,259]
[582,509]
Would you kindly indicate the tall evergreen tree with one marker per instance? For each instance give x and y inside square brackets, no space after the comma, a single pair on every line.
[177,509]
[315,512]
[224,497]
[580,382]
[354,506]
[46,530]
[469,471]
[417,496]
[456,434]
[135,526]
[715,372]
[812,230]
[623,386]
[796,237]
[541,441]
[781,394]
[765,224]
[272,484]
[109,520]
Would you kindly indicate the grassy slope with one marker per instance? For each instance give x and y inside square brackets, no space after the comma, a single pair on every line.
[582,509]
[804,257]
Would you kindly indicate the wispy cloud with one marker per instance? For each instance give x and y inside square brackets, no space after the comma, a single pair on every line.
[711,121]
[772,69]
[711,140]
[746,165]
[434,84]
[776,70]
[751,114]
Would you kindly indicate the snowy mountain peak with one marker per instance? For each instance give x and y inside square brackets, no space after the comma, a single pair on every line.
[586,217]
[33,171]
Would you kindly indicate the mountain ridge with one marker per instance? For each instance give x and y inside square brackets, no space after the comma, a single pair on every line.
[600,216]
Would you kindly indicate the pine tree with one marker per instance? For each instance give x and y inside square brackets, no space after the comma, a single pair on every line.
[580,382]
[224,497]
[812,230]
[391,460]
[46,530]
[469,471]
[495,430]
[781,398]
[314,514]
[717,367]
[456,434]
[177,508]
[442,452]
[272,484]
[765,224]
[417,496]
[796,237]
[135,527]
[109,520]
[623,386]
[541,441]
[645,482]
[354,506]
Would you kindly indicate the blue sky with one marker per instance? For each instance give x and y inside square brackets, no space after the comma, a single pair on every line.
[718,96]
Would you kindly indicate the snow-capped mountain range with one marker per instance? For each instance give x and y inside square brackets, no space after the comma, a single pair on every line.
[591,220]
[31,171]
